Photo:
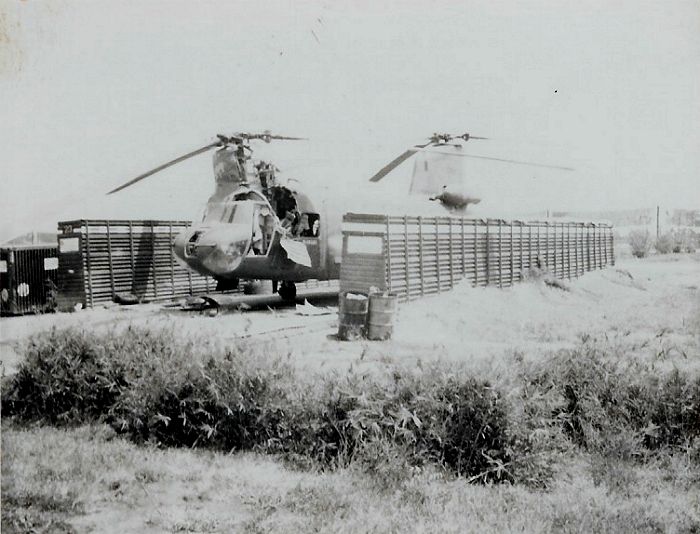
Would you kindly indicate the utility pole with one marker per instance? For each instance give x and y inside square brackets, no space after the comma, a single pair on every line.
[657,221]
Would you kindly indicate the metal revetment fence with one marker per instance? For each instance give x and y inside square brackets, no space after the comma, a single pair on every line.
[99,259]
[416,256]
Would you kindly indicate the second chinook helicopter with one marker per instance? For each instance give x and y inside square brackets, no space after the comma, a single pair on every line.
[256,227]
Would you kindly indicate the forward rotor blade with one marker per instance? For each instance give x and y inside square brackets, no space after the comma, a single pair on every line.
[266,136]
[166,165]
[287,138]
[503,160]
[396,162]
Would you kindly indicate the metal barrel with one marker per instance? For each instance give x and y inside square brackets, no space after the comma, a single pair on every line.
[382,309]
[352,316]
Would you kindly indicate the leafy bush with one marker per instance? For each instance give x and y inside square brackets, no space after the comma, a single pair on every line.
[153,386]
[438,416]
[430,416]
[664,243]
[228,400]
[684,240]
[605,398]
[640,242]
[66,377]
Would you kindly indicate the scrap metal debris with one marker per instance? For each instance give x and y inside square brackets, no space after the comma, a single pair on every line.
[195,304]
[296,251]
[308,309]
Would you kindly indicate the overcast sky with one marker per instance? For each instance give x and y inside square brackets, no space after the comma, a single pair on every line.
[94,93]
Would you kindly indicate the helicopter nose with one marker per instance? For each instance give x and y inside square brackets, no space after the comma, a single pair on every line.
[185,242]
[221,250]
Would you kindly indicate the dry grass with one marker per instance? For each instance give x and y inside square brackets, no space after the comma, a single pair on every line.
[87,479]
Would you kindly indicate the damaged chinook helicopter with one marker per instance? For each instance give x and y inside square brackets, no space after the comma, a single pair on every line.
[253,227]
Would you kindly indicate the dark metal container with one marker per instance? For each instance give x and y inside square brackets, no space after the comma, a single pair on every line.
[28,279]
[380,319]
[352,316]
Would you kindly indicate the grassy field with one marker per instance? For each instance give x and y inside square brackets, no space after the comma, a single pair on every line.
[87,479]
[594,427]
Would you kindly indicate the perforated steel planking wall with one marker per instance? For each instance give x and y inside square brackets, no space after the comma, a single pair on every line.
[416,256]
[99,259]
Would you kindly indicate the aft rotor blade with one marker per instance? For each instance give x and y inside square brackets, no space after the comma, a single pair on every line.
[393,164]
[396,162]
[503,160]
[166,165]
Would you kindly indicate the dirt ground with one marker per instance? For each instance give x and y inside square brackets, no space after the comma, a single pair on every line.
[657,299]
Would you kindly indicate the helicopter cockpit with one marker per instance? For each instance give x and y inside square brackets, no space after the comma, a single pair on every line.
[245,207]
[288,211]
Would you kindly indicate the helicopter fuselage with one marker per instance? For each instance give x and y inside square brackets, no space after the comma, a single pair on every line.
[246,239]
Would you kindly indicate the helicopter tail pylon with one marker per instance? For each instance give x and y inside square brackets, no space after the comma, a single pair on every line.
[439,140]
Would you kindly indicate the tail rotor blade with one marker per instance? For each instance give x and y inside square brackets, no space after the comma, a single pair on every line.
[166,165]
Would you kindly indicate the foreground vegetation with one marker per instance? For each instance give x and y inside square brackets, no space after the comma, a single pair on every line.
[416,437]
[72,480]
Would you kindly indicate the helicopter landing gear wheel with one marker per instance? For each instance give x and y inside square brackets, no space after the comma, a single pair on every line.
[226,285]
[288,291]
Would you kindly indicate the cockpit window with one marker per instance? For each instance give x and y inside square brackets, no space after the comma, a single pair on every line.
[229,211]
[214,212]
[233,212]
[222,212]
[242,212]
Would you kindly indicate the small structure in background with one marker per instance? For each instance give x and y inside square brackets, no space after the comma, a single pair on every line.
[28,274]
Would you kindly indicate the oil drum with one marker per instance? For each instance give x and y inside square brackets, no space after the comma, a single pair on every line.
[352,316]
[382,308]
